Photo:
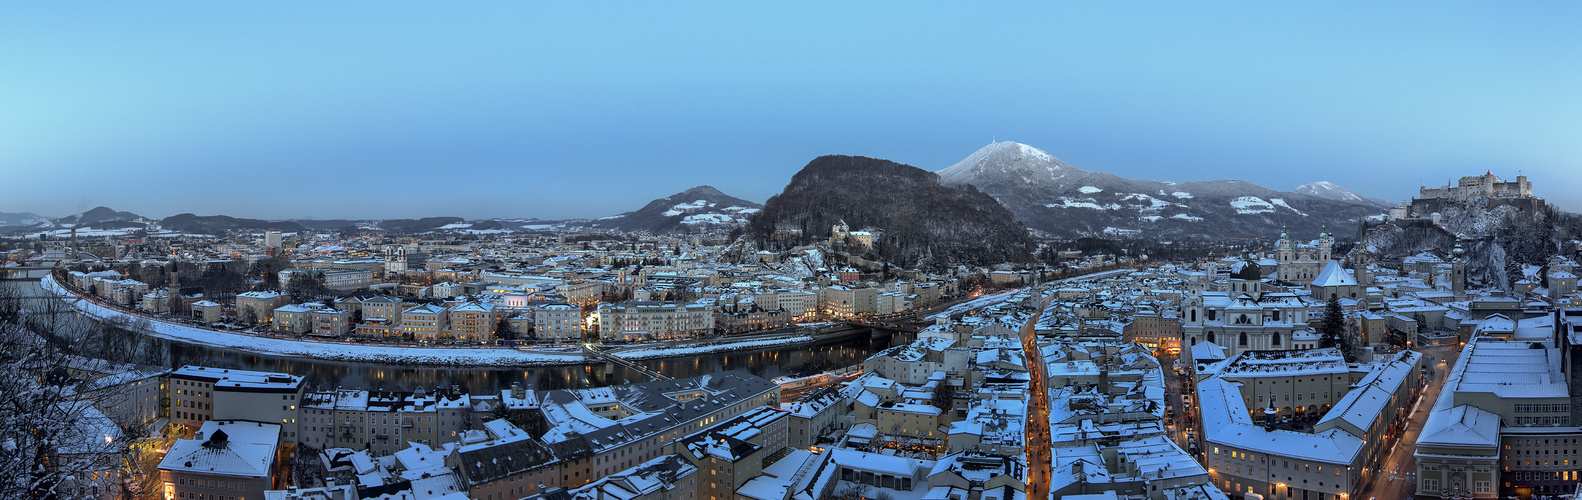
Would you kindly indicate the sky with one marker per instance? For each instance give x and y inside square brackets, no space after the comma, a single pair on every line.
[281,110]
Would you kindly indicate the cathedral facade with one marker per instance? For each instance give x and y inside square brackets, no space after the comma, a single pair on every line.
[1244,317]
[1301,263]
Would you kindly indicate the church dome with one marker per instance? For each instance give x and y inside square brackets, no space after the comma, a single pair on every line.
[1247,269]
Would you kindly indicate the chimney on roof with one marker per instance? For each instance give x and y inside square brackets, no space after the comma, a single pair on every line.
[218,440]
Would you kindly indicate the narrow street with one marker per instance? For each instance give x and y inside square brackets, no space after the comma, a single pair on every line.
[1040,458]
[1176,385]
[1398,472]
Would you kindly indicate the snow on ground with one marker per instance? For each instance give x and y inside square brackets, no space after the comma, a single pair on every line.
[684,207]
[1281,202]
[328,350]
[456,225]
[1251,205]
[461,356]
[1082,203]
[1182,195]
[1151,201]
[82,233]
[1186,217]
[1089,190]
[710,219]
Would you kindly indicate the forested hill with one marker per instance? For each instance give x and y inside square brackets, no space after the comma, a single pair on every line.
[918,220]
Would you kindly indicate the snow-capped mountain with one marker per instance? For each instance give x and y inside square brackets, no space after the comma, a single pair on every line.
[1056,198]
[1332,191]
[699,208]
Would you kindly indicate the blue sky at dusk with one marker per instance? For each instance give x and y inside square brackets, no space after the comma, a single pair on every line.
[394,109]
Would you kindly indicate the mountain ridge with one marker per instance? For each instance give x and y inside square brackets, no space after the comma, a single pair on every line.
[1060,200]
[696,209]
[916,219]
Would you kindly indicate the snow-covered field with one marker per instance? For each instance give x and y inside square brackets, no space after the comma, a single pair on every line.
[1281,202]
[1082,203]
[1251,205]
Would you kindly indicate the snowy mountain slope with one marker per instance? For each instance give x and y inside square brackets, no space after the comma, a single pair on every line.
[699,208]
[1332,191]
[1060,200]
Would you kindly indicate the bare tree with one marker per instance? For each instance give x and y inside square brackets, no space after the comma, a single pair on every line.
[54,442]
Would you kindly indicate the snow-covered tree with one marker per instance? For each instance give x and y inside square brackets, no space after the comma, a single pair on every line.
[54,442]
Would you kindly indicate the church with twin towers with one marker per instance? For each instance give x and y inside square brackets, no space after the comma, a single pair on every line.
[1262,303]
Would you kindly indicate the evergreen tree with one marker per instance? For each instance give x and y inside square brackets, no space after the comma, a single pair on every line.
[1333,326]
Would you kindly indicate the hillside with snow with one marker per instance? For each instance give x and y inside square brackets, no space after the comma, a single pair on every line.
[1059,200]
[702,208]
[1331,191]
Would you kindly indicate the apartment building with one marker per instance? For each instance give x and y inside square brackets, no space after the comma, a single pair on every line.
[259,307]
[661,320]
[425,322]
[473,322]
[557,322]
[200,394]
[228,459]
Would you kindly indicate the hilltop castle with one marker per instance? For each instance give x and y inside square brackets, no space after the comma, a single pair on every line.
[1486,185]
[1494,190]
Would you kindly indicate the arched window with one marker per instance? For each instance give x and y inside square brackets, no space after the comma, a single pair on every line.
[1243,339]
[1210,336]
[1276,339]
[1211,315]
[1276,315]
[1194,315]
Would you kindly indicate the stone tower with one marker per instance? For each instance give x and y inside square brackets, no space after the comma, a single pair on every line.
[1359,266]
[395,259]
[1326,243]
[1458,268]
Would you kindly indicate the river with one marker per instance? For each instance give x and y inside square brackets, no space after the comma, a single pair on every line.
[837,351]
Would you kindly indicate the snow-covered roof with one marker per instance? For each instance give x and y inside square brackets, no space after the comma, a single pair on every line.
[1226,421]
[225,448]
[1508,369]
[1460,426]
[874,462]
[1207,351]
[1334,275]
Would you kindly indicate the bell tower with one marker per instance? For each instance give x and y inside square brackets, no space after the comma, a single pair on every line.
[1458,268]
